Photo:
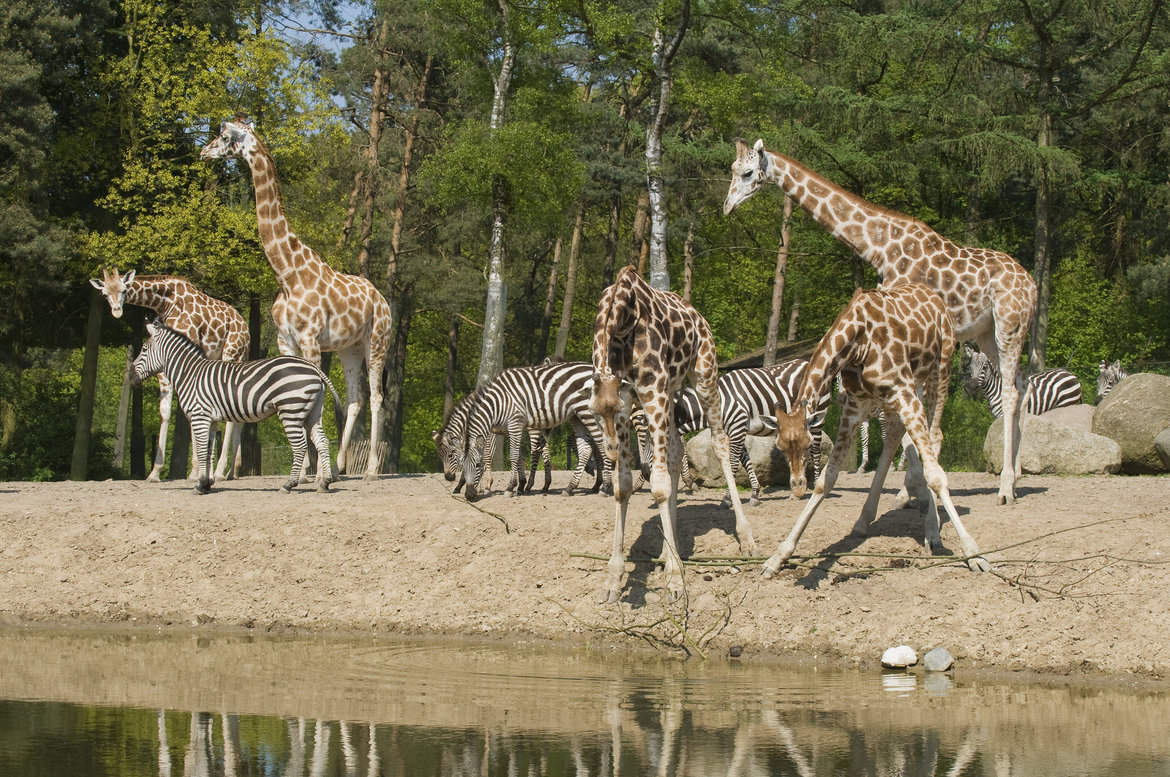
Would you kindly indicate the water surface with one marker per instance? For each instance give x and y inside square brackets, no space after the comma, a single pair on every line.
[98,703]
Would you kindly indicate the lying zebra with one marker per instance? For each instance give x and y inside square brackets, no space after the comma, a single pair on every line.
[1046,390]
[210,390]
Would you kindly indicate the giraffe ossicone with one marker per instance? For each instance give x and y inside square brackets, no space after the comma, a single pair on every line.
[991,298]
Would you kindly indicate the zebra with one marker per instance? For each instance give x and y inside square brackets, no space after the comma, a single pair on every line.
[1111,375]
[537,398]
[1046,390]
[210,390]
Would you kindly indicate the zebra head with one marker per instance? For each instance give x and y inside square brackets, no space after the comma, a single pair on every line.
[473,464]
[979,370]
[794,438]
[114,287]
[235,139]
[1111,375]
[150,358]
[449,454]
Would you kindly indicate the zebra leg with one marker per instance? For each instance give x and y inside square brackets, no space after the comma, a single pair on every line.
[201,448]
[325,473]
[294,429]
[516,486]
[863,432]
[584,452]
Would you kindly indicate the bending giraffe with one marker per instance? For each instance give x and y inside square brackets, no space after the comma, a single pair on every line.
[214,325]
[655,341]
[990,297]
[888,345]
[317,308]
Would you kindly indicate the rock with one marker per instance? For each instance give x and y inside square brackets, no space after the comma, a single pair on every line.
[770,465]
[899,657]
[1050,448]
[1135,412]
[1162,446]
[938,660]
[1077,416]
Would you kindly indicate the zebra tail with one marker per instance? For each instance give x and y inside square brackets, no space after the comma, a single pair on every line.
[338,407]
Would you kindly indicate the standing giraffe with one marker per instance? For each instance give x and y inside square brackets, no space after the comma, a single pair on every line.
[214,325]
[990,297]
[888,345]
[655,341]
[317,309]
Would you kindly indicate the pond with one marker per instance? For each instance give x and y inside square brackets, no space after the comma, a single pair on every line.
[138,703]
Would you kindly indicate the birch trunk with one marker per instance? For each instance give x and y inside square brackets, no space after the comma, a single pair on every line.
[570,283]
[772,339]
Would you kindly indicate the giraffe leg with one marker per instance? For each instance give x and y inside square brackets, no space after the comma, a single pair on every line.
[166,400]
[869,511]
[664,490]
[376,361]
[351,366]
[227,453]
[824,486]
[617,450]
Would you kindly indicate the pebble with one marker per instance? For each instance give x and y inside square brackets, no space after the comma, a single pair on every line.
[899,657]
[938,660]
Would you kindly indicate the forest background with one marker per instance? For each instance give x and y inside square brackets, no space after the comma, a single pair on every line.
[488,164]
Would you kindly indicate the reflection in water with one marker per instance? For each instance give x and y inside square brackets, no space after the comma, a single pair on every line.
[235,706]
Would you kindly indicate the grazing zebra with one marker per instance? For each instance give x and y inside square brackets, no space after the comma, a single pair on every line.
[534,398]
[210,390]
[1045,391]
[1111,375]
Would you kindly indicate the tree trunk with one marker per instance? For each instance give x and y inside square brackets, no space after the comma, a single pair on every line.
[662,56]
[492,354]
[250,454]
[550,299]
[793,317]
[571,283]
[611,239]
[366,176]
[452,363]
[396,380]
[137,433]
[1041,268]
[83,426]
[773,335]
[123,412]
[688,262]
[639,250]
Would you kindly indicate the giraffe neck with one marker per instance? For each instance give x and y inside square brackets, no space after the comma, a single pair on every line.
[157,293]
[281,245]
[869,230]
[833,353]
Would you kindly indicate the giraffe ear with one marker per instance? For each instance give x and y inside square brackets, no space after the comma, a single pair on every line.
[101,287]
[128,278]
[761,154]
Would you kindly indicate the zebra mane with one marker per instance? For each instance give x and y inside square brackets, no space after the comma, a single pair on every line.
[182,338]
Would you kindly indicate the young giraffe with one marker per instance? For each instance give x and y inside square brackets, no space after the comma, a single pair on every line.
[654,340]
[214,325]
[887,344]
[317,309]
[990,297]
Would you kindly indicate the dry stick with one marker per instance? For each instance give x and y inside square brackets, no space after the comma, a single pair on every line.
[497,516]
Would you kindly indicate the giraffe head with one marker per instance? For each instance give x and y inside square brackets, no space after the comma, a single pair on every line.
[235,139]
[794,439]
[611,406]
[749,172]
[114,286]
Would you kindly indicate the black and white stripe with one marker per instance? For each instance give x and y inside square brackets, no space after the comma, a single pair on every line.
[1045,391]
[533,398]
[1110,376]
[210,390]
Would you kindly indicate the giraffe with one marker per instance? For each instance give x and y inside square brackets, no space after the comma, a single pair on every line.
[654,340]
[317,308]
[214,325]
[990,296]
[888,345]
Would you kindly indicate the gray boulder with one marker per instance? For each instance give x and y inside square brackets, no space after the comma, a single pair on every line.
[1162,446]
[1050,448]
[1135,412]
[1077,416]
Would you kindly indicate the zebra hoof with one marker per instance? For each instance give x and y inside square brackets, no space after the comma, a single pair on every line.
[754,501]
[288,487]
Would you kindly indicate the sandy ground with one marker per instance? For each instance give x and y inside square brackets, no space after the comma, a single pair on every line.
[1081,583]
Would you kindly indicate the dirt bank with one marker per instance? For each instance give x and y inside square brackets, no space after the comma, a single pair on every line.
[1082,583]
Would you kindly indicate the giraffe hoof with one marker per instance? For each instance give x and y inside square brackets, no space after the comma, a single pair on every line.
[978,564]
[610,596]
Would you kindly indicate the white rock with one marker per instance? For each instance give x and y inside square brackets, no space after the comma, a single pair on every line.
[899,657]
